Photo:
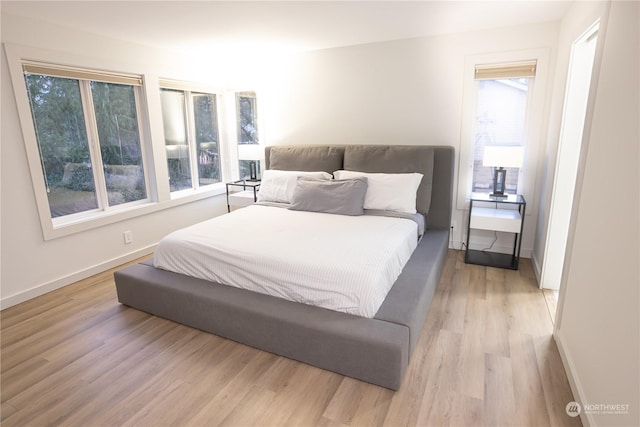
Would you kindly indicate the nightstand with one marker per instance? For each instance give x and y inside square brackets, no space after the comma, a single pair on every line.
[242,193]
[503,214]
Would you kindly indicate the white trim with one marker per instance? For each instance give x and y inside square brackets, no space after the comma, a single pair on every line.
[228,152]
[230,135]
[546,272]
[131,211]
[563,348]
[574,382]
[145,142]
[61,282]
[93,140]
[535,263]
[584,149]
[190,122]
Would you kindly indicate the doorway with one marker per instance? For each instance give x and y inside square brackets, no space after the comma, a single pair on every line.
[573,121]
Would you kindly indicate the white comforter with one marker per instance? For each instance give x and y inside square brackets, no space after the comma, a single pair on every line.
[338,262]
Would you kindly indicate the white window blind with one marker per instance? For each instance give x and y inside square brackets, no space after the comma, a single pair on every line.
[80,74]
[185,86]
[525,69]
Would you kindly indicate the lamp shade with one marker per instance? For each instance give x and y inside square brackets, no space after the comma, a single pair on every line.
[250,151]
[505,156]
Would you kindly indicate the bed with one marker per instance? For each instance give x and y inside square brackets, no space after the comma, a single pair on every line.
[377,349]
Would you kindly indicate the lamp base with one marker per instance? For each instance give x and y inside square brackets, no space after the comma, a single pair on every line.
[499,182]
[253,170]
[499,195]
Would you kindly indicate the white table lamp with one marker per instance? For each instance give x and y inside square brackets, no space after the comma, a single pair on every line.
[501,157]
[252,153]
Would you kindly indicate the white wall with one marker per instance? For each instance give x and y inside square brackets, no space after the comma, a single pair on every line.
[397,92]
[31,265]
[578,19]
[598,327]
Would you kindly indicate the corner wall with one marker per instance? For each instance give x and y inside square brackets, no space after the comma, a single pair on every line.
[578,19]
[598,324]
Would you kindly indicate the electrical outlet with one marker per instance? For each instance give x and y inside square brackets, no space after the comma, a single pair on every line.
[128,237]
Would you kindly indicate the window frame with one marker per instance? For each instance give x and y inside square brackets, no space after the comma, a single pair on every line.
[150,128]
[95,149]
[234,127]
[251,151]
[534,138]
[189,88]
[20,56]
[254,104]
[97,162]
[526,123]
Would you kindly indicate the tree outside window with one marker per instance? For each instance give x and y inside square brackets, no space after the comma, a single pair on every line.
[78,178]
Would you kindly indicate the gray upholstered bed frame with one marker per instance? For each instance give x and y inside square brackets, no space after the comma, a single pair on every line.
[374,350]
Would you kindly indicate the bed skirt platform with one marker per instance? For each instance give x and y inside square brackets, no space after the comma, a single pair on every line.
[373,350]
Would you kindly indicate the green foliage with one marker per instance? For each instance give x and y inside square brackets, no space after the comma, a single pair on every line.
[117,123]
[205,117]
[58,116]
[59,121]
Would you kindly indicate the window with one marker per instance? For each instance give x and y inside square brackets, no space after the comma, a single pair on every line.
[247,118]
[89,145]
[502,99]
[192,143]
[503,105]
[500,121]
[206,130]
[87,139]
[249,148]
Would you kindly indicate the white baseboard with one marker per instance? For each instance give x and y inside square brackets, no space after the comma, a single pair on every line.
[456,244]
[537,268]
[574,381]
[61,282]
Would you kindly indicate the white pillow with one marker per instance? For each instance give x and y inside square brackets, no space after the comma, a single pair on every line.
[278,186]
[388,191]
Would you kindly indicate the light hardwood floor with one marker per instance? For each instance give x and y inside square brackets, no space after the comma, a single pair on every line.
[551,297]
[77,357]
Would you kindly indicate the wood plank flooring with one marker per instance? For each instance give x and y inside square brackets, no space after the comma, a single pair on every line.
[551,297]
[76,357]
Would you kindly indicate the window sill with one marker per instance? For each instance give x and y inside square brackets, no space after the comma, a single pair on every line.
[54,229]
[190,194]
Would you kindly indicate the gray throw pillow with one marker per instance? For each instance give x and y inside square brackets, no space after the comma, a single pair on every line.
[343,197]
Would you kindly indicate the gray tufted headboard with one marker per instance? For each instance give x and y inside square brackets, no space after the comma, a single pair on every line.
[436,163]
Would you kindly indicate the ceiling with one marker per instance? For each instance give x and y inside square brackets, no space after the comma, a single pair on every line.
[279,27]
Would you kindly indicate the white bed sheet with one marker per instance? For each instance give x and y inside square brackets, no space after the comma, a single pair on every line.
[342,263]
